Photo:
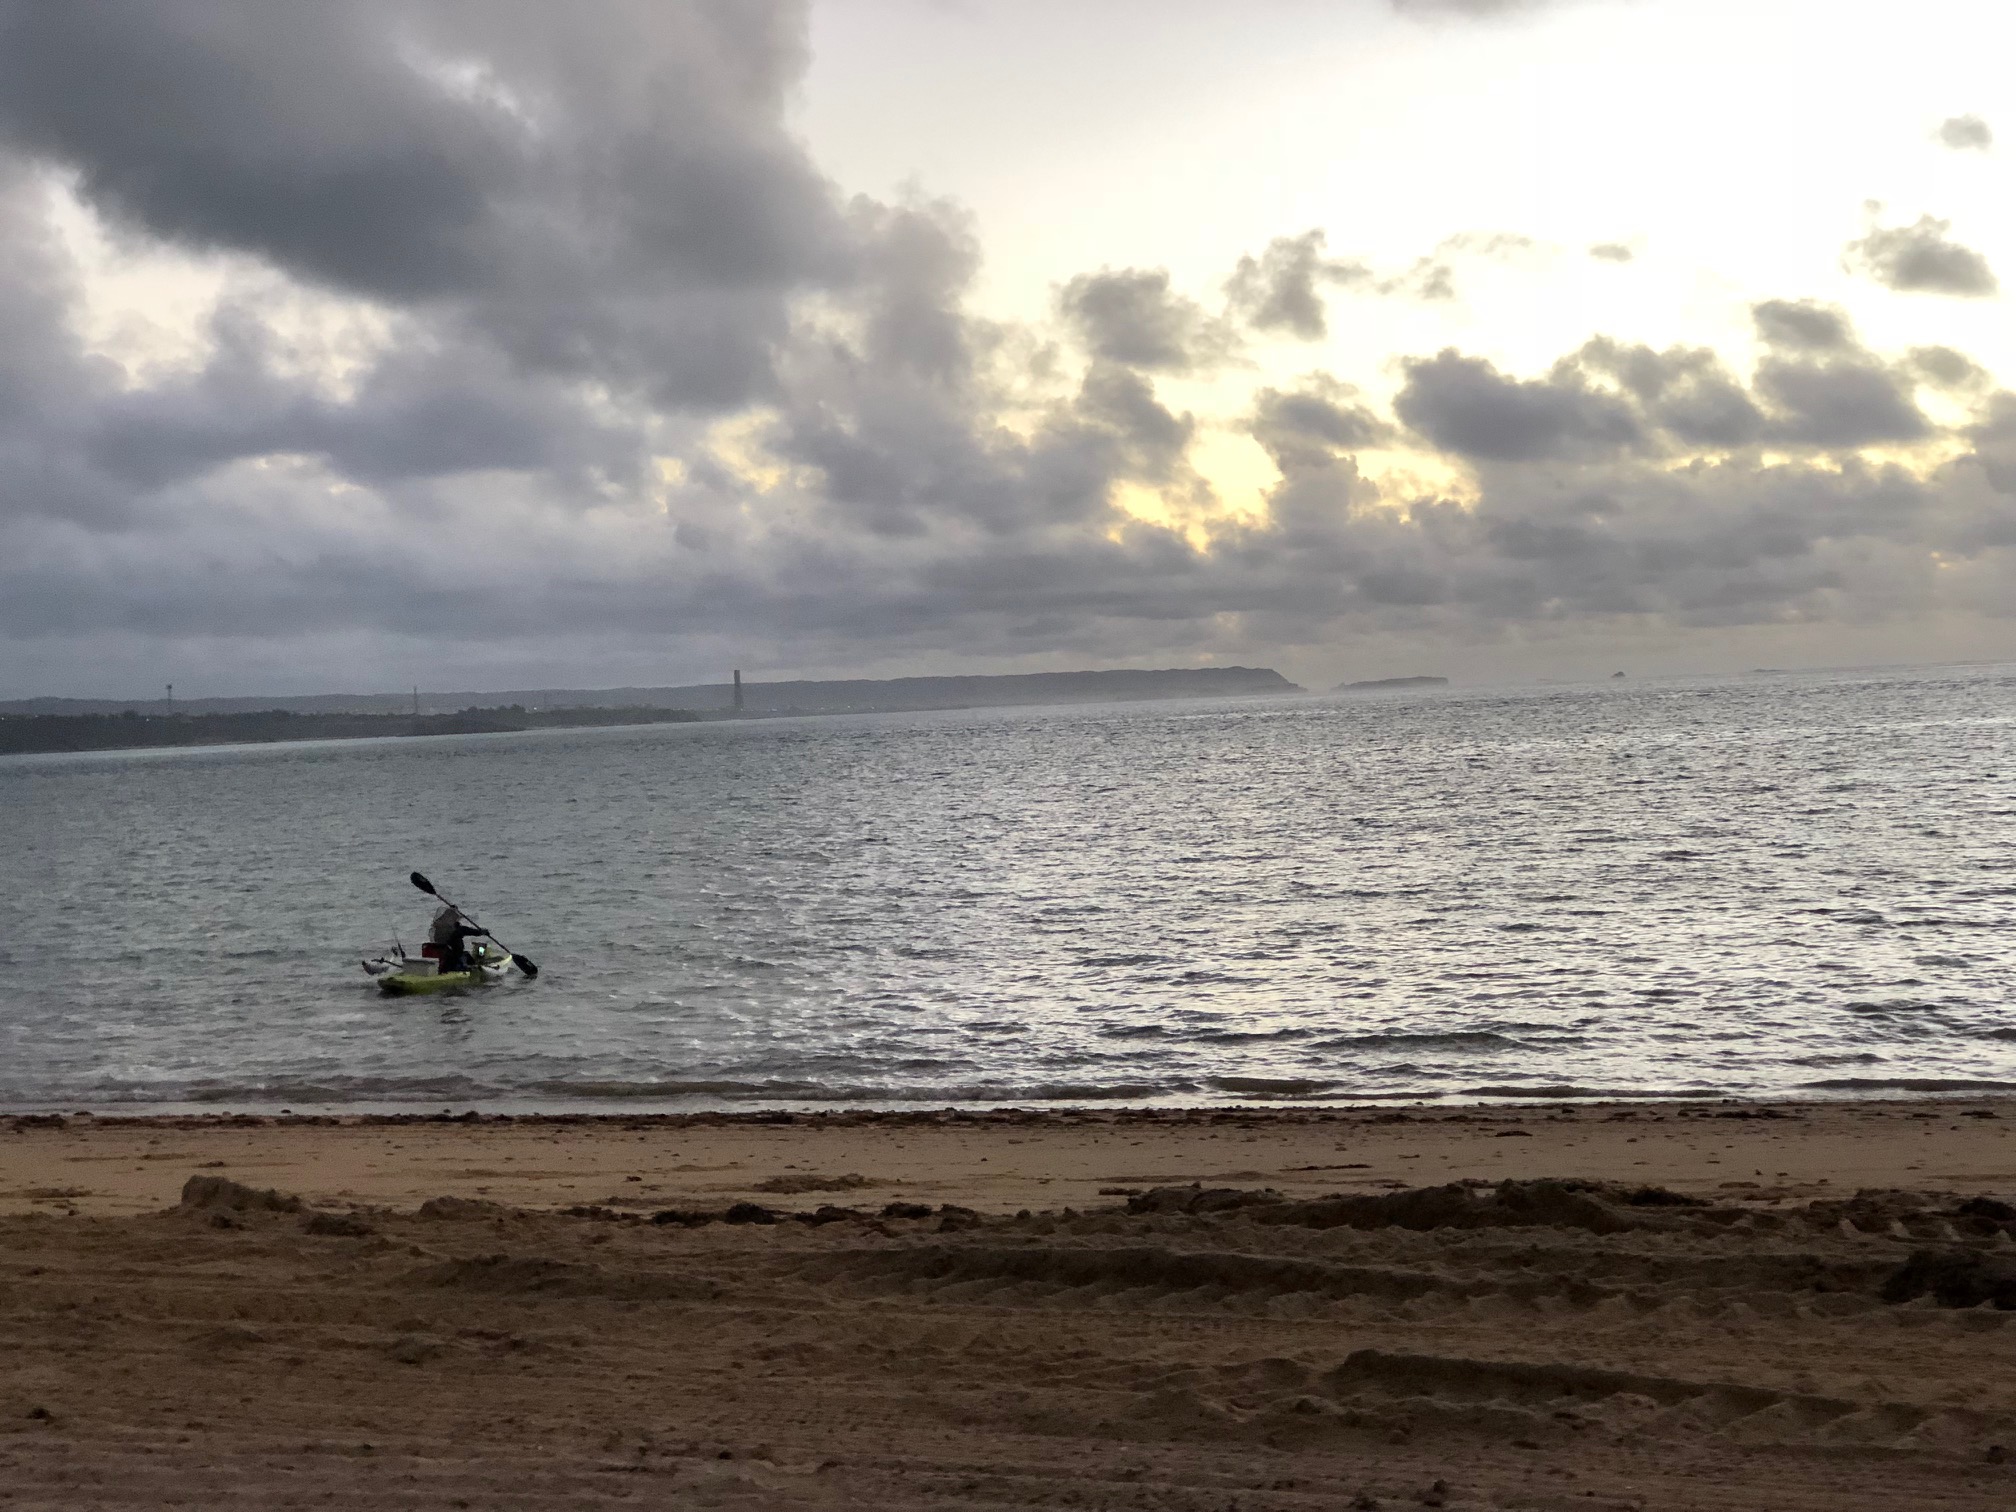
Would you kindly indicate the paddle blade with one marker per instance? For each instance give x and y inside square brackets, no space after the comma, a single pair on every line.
[422,883]
[527,965]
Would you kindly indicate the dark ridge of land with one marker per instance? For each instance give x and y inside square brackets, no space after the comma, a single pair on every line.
[855,695]
[1391,682]
[25,734]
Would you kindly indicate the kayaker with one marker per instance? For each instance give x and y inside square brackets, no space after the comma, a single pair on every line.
[448,932]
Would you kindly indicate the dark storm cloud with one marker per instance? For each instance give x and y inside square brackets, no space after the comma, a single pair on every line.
[1133,317]
[1839,404]
[1964,133]
[641,386]
[1825,390]
[1802,325]
[1323,413]
[1837,397]
[607,193]
[1464,405]
[1921,258]
[1281,290]
[1685,392]
[1321,418]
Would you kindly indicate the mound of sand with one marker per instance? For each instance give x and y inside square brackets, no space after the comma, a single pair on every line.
[1491,1341]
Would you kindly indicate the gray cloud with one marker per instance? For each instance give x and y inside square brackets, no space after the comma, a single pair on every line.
[1133,317]
[1432,279]
[1318,421]
[612,196]
[1944,368]
[1844,403]
[1921,258]
[1994,440]
[1824,394]
[1685,392]
[1281,289]
[1965,132]
[1802,325]
[1466,406]
[1615,252]
[800,447]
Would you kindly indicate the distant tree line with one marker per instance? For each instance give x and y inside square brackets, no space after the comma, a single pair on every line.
[21,734]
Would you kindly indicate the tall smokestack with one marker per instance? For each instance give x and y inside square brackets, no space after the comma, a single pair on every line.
[738,690]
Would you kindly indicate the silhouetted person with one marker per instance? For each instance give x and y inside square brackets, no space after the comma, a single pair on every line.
[448,932]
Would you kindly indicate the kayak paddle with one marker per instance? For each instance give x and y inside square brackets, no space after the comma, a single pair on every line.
[525,963]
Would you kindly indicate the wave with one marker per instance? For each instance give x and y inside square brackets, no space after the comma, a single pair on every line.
[1453,1039]
[820,1092]
[1568,1089]
[314,1093]
[1272,1086]
[1908,1084]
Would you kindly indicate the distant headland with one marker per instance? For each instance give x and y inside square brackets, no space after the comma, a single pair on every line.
[76,724]
[1391,682]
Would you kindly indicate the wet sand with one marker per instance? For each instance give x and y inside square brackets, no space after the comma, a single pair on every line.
[1655,1306]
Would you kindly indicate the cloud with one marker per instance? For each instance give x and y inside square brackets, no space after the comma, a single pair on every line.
[1134,318]
[639,392]
[1432,279]
[1464,405]
[1944,368]
[1993,437]
[1614,252]
[1684,392]
[1318,421]
[1964,133]
[1802,325]
[1840,404]
[1281,289]
[1921,259]
[614,198]
[1611,401]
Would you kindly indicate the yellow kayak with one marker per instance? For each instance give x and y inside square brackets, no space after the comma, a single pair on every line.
[404,975]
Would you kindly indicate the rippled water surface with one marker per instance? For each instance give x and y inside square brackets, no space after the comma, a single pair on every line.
[1759,884]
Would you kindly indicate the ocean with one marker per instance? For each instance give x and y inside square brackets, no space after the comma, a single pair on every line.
[1784,885]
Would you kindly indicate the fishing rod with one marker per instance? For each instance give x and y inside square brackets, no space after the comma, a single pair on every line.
[525,963]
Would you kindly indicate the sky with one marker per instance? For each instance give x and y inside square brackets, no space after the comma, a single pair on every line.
[492,344]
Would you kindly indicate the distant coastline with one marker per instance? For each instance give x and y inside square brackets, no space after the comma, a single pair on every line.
[57,725]
[1375,683]
[130,730]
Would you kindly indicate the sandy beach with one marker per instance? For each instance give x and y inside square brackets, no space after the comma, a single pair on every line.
[1709,1306]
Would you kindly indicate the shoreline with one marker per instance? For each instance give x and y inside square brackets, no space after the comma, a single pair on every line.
[1687,1307]
[1847,1091]
[1000,1160]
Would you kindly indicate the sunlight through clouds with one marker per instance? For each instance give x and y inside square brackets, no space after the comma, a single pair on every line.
[855,334]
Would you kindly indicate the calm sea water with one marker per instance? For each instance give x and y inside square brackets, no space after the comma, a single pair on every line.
[1757,885]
